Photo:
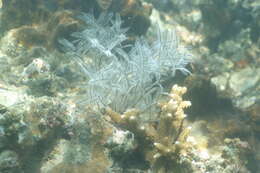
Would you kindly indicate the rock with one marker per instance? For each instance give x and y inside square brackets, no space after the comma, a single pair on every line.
[243,80]
[243,85]
[121,143]
[221,84]
[240,86]
[9,162]
[3,139]
[9,97]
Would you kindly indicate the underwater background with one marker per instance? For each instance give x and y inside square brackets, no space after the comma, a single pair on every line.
[129,86]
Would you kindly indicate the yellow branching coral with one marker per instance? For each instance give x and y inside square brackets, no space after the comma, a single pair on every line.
[164,142]
[170,140]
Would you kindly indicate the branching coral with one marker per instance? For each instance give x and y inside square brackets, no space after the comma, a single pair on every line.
[168,138]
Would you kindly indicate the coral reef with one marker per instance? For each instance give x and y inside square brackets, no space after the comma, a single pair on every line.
[234,153]
[99,102]
[9,162]
[30,130]
[226,52]
[42,23]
